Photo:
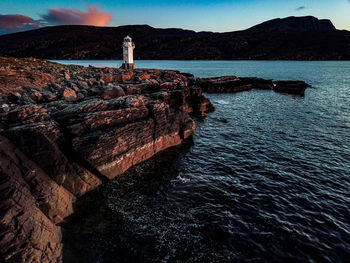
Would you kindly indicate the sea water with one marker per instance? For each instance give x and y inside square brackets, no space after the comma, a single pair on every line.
[270,185]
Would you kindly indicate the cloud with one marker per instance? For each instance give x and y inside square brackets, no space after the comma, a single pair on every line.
[11,22]
[300,8]
[14,23]
[55,16]
[93,17]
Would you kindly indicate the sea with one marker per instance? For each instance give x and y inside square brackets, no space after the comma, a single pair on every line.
[270,183]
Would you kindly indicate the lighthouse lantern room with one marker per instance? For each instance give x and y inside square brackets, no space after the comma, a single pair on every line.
[128,50]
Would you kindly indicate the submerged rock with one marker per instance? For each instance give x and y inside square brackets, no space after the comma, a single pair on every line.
[223,120]
[232,84]
[292,87]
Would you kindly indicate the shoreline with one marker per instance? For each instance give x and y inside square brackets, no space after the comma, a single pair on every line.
[201,60]
[65,129]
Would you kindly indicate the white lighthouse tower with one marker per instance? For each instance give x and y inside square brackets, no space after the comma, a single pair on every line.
[128,56]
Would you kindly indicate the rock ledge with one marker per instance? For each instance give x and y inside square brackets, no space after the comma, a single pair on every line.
[66,129]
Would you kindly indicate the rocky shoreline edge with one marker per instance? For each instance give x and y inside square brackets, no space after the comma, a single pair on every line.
[66,129]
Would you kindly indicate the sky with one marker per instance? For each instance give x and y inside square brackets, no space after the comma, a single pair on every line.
[198,15]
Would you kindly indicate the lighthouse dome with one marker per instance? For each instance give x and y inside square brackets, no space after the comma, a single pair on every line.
[128,38]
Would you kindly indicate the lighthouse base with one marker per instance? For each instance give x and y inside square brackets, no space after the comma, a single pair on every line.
[130,66]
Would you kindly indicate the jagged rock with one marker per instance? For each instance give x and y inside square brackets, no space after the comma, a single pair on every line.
[48,96]
[113,92]
[202,106]
[83,84]
[69,94]
[25,115]
[108,78]
[188,129]
[36,95]
[135,89]
[144,76]
[73,86]
[66,76]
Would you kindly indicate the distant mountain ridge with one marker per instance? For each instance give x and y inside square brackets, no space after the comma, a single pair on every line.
[294,38]
[297,24]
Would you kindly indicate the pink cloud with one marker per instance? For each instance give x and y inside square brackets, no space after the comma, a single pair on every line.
[93,17]
[55,16]
[14,22]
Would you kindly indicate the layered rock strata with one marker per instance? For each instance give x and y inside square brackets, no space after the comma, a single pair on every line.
[66,129]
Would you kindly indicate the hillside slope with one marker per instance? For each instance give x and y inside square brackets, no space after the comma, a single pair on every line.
[301,38]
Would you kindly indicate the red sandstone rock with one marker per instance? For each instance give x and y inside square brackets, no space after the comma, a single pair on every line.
[144,76]
[108,78]
[56,151]
[108,70]
[25,115]
[125,76]
[168,85]
[203,106]
[69,94]
[15,80]
[83,84]
[66,76]
[135,89]
[27,234]
[36,95]
[188,129]
[113,92]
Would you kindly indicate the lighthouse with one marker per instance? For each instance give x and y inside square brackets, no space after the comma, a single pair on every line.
[128,56]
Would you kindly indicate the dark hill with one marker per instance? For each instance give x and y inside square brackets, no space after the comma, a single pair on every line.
[302,38]
[296,24]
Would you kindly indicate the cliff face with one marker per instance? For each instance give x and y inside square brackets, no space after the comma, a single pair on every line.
[301,38]
[66,129]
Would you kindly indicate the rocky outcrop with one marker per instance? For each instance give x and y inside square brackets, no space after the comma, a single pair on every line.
[67,129]
[232,84]
[292,87]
